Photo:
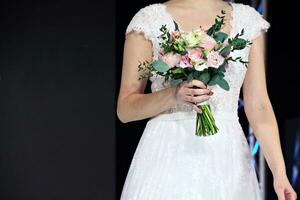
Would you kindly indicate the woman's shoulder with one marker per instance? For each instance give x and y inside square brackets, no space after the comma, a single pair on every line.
[145,18]
[250,19]
[148,11]
[244,7]
[246,11]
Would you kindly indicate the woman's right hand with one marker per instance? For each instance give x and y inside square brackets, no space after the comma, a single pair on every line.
[192,93]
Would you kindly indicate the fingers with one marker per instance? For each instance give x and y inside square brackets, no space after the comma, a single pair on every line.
[186,92]
[290,194]
[196,83]
[284,190]
[195,92]
[196,99]
[198,110]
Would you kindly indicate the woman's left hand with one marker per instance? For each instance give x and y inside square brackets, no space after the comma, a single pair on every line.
[283,188]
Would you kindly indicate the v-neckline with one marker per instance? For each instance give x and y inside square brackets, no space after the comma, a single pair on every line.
[231,22]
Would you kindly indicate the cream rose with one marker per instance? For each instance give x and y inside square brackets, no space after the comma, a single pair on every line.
[201,66]
[192,39]
[214,59]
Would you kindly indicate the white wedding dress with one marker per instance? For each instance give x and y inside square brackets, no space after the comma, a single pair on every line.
[170,162]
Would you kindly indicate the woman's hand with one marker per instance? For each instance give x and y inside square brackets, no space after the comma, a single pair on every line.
[283,188]
[192,93]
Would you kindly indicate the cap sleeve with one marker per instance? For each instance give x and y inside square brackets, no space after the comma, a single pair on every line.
[140,23]
[257,24]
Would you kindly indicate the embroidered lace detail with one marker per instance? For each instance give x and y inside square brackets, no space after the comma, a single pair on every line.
[140,23]
[251,20]
[149,20]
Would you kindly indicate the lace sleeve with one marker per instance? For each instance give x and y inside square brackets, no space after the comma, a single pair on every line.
[256,23]
[140,23]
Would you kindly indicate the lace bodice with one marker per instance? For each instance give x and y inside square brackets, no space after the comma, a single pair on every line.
[149,19]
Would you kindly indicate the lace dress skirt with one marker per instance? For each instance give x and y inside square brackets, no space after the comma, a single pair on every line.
[172,163]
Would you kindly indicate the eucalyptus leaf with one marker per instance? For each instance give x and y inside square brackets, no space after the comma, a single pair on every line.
[226,51]
[214,80]
[160,66]
[239,43]
[223,83]
[176,26]
[222,68]
[174,83]
[210,31]
[178,70]
[190,77]
[220,37]
[204,77]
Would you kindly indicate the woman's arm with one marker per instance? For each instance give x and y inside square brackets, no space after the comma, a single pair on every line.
[133,104]
[259,110]
[261,116]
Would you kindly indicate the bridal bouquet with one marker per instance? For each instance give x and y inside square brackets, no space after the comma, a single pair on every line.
[199,54]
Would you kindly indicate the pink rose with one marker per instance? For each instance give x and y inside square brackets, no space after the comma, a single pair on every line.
[185,62]
[208,43]
[214,59]
[195,55]
[171,59]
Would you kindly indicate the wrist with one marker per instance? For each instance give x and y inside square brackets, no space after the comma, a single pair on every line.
[172,94]
[280,172]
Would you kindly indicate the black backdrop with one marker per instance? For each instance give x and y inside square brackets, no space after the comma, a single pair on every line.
[57,100]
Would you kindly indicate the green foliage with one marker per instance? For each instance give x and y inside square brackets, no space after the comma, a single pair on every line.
[210,76]
[160,66]
[165,36]
[177,70]
[220,36]
[223,84]
[176,26]
[219,80]
[226,51]
[165,33]
[204,77]
[219,22]
[238,59]
[239,43]
[174,83]
[179,46]
[222,69]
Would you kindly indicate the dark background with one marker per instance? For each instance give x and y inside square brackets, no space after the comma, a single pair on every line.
[59,83]
[282,79]
[57,136]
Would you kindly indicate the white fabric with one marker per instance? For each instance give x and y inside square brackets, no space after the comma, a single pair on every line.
[170,162]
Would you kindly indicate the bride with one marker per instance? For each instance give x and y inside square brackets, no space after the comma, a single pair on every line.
[170,162]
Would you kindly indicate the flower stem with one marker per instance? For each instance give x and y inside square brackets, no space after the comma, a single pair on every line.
[205,122]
